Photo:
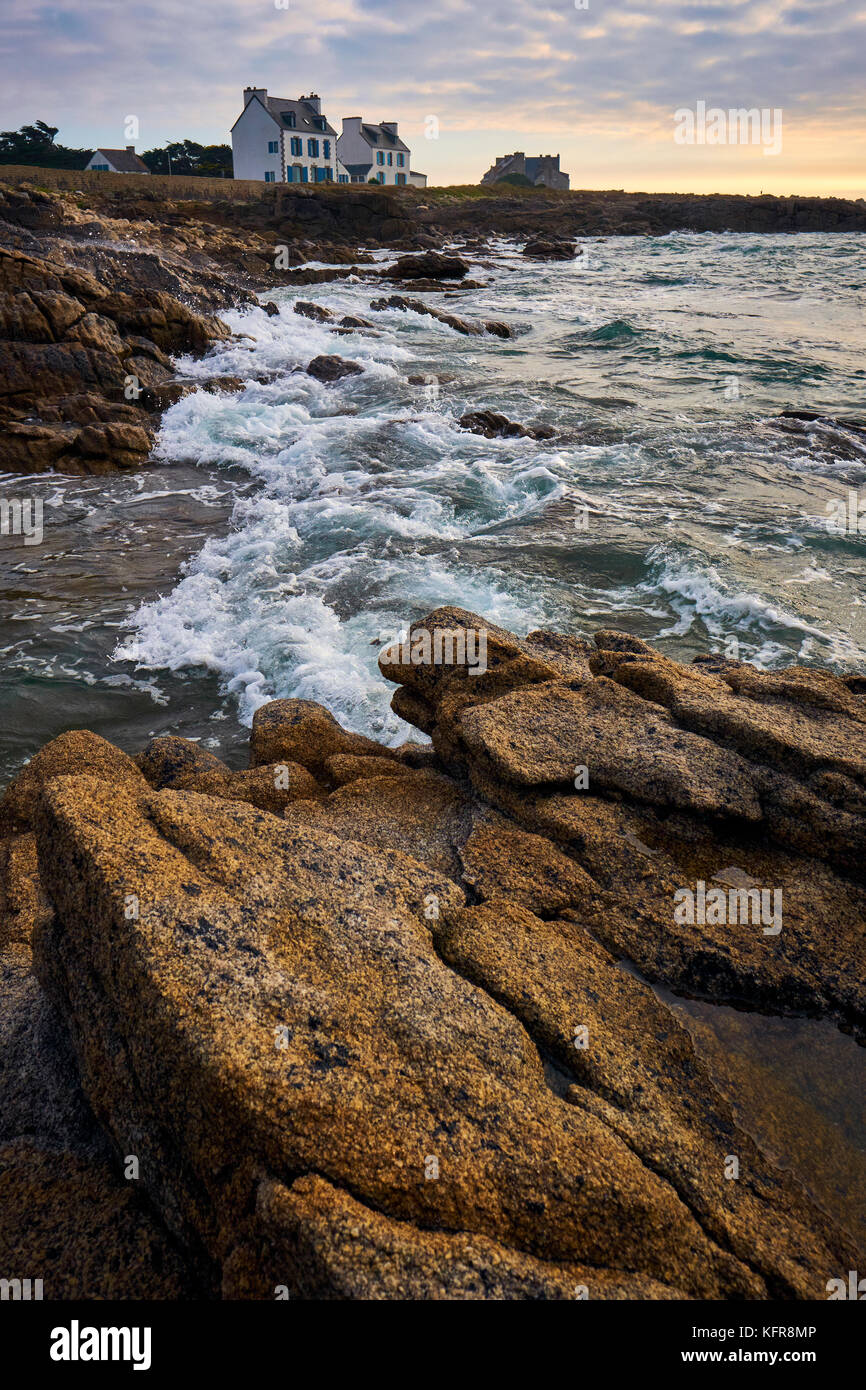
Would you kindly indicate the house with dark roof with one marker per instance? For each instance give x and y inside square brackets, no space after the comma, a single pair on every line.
[279,140]
[117,161]
[373,152]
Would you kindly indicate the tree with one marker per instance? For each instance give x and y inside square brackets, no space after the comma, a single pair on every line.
[34,144]
[189,158]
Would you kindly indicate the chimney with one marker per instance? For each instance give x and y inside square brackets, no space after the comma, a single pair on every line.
[130,149]
[250,92]
[315,101]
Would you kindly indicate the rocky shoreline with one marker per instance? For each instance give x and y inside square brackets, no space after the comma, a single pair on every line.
[102,285]
[365,1022]
[371,1022]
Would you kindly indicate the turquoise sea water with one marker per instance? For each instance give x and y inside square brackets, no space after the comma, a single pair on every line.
[282,533]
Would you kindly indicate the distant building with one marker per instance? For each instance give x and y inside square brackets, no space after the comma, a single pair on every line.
[375,152]
[542,170]
[282,141]
[117,161]
[417,180]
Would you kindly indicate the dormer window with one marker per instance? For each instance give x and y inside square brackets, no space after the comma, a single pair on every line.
[290,118]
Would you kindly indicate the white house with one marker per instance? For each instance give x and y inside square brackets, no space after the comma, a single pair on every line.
[373,152]
[282,141]
[117,161]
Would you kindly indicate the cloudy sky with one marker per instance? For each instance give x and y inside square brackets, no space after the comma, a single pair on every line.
[599,84]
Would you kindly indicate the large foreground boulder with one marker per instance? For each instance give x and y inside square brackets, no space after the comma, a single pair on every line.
[283,1010]
[360,1015]
[665,781]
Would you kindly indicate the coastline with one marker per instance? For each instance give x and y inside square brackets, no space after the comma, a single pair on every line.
[181,911]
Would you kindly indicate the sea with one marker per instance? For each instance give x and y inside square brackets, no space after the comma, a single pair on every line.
[282,534]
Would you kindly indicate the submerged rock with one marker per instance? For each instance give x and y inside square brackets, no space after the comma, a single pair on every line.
[466,326]
[493,425]
[331,368]
[318,312]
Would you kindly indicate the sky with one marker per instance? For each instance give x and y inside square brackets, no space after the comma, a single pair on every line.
[596,81]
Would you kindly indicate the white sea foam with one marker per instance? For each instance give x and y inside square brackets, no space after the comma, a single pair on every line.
[367,505]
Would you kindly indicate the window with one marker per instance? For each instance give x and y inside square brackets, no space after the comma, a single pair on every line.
[297,144]
[304,174]
[380,178]
[319,122]
[390,158]
[380,158]
[270,176]
[342,178]
[290,119]
[400,161]
[313,149]
[400,178]
[273,147]
[326,149]
[103,167]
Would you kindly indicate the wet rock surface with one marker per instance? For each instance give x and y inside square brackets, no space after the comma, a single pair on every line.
[468,327]
[372,1020]
[431,265]
[550,249]
[79,366]
[329,367]
[494,425]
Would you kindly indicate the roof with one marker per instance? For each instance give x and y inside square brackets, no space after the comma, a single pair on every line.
[358,168]
[305,115]
[123,161]
[381,138]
